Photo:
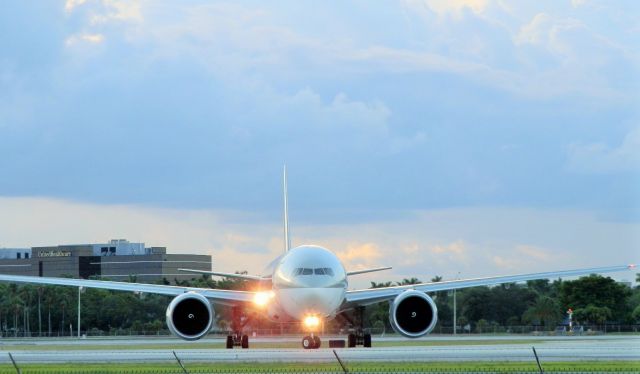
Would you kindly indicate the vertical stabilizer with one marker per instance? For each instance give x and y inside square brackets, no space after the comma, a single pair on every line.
[287,239]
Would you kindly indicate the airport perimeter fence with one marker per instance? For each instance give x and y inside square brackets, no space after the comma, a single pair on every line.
[417,370]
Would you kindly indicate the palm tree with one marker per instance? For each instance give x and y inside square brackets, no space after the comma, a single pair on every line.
[62,304]
[381,284]
[406,281]
[545,311]
[14,302]
[49,299]
[40,292]
[16,309]
[25,293]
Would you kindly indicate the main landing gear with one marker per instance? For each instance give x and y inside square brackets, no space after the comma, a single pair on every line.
[237,340]
[358,337]
[311,342]
[238,321]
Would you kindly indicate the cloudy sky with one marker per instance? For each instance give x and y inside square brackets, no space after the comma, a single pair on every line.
[470,136]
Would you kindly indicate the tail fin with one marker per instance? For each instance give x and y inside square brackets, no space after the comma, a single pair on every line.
[287,239]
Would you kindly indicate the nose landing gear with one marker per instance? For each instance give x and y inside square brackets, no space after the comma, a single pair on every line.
[311,342]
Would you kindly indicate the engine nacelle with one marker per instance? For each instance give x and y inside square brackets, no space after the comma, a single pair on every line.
[413,314]
[190,316]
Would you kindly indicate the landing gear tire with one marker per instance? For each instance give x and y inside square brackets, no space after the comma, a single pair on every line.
[308,342]
[229,342]
[366,342]
[245,341]
[316,342]
[358,337]
[351,340]
[236,338]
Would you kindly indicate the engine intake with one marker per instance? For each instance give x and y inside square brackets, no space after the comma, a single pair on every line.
[189,316]
[413,314]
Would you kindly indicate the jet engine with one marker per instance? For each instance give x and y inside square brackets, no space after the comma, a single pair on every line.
[189,316]
[413,314]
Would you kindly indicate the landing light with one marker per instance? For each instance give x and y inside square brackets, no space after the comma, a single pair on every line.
[262,298]
[311,321]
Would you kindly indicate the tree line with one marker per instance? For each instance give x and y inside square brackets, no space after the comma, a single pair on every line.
[35,310]
[594,299]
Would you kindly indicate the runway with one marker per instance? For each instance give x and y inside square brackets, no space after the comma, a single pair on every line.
[549,349]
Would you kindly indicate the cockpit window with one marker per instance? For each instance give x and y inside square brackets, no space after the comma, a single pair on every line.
[309,271]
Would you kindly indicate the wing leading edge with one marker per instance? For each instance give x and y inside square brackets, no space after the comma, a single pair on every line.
[226,275]
[375,295]
[225,297]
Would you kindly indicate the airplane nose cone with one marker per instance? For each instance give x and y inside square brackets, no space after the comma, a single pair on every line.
[304,301]
[314,299]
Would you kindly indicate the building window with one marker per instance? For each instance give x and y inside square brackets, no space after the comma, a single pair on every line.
[26,255]
[18,255]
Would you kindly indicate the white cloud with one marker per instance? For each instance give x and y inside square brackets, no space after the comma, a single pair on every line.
[26,222]
[104,11]
[534,32]
[455,251]
[553,53]
[504,263]
[130,10]
[454,8]
[524,255]
[398,60]
[341,112]
[70,5]
[232,40]
[357,256]
[87,38]
[535,253]
[481,242]
[601,158]
[578,3]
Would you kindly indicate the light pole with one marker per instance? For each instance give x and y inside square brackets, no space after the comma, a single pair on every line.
[455,309]
[79,290]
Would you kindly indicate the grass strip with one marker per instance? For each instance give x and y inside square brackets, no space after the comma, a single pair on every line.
[354,367]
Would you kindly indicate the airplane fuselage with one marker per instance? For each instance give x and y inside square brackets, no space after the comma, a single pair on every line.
[308,281]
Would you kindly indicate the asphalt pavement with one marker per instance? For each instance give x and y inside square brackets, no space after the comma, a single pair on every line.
[549,349]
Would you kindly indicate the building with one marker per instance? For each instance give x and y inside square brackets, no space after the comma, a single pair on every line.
[116,260]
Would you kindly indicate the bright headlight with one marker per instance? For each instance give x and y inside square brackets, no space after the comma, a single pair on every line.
[262,298]
[311,322]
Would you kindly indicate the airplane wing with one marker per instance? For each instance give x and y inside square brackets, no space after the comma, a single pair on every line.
[225,297]
[226,275]
[356,272]
[376,295]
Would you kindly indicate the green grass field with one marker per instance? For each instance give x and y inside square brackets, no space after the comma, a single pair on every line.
[354,367]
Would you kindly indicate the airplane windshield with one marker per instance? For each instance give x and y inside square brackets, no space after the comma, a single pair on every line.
[310,271]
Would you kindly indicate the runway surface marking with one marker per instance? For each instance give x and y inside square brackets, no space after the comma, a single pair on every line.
[624,348]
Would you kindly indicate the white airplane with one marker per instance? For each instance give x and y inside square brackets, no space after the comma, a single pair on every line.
[309,284]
